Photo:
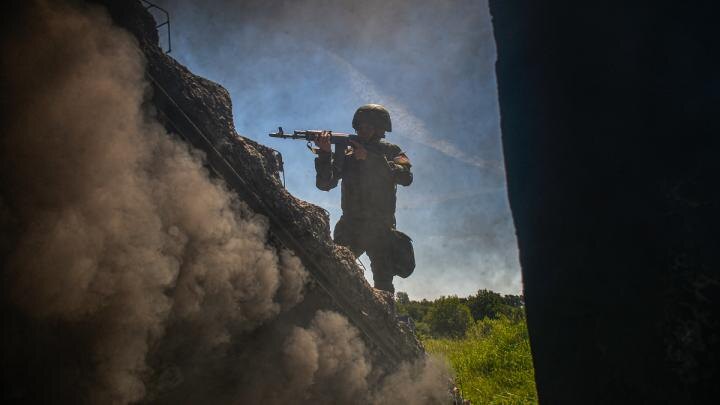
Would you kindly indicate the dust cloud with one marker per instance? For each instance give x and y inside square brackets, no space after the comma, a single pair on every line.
[120,226]
[331,352]
[131,274]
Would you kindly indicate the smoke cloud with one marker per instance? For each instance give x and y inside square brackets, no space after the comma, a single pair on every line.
[121,227]
[328,361]
[146,278]
[329,351]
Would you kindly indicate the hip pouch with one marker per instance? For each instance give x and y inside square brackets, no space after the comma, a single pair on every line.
[403,254]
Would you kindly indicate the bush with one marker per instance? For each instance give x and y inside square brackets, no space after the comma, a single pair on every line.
[493,362]
[422,330]
[448,317]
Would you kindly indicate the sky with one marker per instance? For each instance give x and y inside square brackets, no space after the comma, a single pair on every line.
[308,64]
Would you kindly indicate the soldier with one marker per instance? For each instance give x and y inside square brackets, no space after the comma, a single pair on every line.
[370,174]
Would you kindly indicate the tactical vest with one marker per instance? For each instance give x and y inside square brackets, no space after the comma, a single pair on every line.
[368,186]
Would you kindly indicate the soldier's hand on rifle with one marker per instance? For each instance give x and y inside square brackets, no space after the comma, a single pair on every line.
[323,141]
[359,151]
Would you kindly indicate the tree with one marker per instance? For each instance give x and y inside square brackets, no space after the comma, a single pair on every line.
[418,310]
[402,298]
[516,301]
[448,317]
[486,304]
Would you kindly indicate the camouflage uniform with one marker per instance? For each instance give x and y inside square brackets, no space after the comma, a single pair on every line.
[368,202]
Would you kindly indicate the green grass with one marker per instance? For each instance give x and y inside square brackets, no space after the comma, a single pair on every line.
[492,362]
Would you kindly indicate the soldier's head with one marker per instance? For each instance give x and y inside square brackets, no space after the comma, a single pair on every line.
[371,121]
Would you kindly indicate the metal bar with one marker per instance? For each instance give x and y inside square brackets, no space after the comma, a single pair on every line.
[167,21]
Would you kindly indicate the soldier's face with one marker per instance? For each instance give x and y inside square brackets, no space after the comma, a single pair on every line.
[366,131]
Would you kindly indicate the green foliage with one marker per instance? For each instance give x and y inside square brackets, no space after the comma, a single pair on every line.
[484,336]
[493,362]
[485,304]
[448,317]
[402,298]
[422,330]
[416,309]
[489,304]
[517,301]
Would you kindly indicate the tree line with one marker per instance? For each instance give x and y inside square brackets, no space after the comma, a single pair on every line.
[452,316]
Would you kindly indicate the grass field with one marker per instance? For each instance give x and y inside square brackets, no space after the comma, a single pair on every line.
[492,362]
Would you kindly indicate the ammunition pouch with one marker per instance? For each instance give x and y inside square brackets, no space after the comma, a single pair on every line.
[403,254]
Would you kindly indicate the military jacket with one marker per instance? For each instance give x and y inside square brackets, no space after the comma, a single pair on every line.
[368,186]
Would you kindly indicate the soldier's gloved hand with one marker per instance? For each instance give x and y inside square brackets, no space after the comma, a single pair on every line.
[394,167]
[359,151]
[402,160]
[323,141]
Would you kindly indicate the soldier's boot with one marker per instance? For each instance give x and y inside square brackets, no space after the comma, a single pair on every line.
[385,285]
[382,273]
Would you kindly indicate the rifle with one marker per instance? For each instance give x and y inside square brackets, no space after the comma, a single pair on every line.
[310,135]
[339,139]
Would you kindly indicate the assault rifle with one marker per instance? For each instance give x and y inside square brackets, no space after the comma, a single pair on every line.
[339,139]
[310,135]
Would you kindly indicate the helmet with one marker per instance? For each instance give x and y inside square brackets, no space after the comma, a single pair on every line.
[375,114]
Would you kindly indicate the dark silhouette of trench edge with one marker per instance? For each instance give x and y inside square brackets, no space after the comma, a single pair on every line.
[186,128]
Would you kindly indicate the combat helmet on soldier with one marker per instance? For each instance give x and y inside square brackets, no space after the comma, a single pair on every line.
[374,114]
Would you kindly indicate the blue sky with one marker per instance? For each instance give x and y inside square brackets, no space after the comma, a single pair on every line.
[308,64]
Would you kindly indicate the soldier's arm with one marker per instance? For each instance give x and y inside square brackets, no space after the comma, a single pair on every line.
[327,175]
[401,169]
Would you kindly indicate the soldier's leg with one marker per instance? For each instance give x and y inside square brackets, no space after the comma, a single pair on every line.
[381,261]
[349,235]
